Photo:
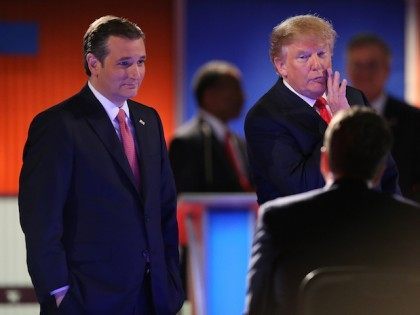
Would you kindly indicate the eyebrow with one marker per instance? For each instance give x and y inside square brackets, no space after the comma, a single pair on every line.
[129,58]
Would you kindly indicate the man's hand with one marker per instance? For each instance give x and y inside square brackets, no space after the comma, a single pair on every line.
[336,92]
[60,296]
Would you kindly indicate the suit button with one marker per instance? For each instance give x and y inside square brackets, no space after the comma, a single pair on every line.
[146,218]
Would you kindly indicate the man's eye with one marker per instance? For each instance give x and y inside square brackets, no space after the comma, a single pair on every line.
[303,57]
[124,63]
[322,54]
[140,62]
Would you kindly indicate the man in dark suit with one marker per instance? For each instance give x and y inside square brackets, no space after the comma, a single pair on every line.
[284,129]
[368,67]
[347,223]
[97,199]
[205,155]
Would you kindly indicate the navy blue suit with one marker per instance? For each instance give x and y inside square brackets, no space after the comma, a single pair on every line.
[86,224]
[404,121]
[346,224]
[284,136]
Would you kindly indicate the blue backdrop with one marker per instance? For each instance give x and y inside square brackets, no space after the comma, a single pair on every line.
[239,30]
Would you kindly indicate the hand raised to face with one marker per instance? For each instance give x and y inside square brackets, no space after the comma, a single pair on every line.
[336,92]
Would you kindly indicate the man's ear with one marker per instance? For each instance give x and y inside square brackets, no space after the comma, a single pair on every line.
[93,63]
[324,165]
[376,180]
[280,65]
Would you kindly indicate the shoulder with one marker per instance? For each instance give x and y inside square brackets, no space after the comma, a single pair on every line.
[274,104]
[355,96]
[404,202]
[189,129]
[142,108]
[291,206]
[59,114]
[397,106]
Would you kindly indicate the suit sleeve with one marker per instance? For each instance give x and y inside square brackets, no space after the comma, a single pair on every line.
[184,160]
[44,183]
[260,298]
[169,221]
[279,165]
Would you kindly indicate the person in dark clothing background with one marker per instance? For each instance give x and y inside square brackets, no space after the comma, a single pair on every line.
[368,61]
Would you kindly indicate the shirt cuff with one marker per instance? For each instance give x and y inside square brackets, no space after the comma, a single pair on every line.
[59,290]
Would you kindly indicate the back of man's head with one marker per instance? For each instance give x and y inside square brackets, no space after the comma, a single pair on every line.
[357,142]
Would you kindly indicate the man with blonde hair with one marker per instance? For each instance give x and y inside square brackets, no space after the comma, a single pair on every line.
[284,129]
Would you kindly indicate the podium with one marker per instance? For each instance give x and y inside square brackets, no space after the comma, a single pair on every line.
[218,230]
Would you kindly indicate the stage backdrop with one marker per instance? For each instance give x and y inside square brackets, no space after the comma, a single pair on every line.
[41,64]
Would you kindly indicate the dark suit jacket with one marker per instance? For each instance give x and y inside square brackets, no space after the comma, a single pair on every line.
[86,224]
[284,137]
[404,121]
[346,224]
[199,161]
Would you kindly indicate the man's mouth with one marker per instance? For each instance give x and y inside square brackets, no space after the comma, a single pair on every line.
[320,79]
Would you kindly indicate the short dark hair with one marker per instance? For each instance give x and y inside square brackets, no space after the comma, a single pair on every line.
[357,141]
[210,74]
[96,36]
[369,39]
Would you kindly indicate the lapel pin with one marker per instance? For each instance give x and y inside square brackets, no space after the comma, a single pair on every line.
[142,122]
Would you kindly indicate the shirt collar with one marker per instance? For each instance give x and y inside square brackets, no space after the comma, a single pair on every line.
[308,100]
[379,103]
[110,108]
[219,128]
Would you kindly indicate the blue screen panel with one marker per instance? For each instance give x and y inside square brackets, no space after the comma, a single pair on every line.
[228,236]
[19,38]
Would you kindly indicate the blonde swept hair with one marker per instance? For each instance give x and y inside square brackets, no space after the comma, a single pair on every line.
[297,26]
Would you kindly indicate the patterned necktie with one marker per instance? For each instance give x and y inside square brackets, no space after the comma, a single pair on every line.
[320,105]
[129,145]
[236,164]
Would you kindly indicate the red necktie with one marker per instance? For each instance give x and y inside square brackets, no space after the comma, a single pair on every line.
[320,105]
[129,145]
[236,164]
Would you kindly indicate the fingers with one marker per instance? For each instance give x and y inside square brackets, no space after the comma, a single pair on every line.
[336,91]
[342,89]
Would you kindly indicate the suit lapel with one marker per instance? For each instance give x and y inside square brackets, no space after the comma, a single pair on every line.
[98,119]
[297,110]
[141,129]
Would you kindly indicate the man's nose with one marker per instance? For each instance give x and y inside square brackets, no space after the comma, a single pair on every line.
[315,62]
[134,71]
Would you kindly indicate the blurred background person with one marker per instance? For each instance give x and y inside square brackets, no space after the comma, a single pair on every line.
[368,62]
[206,155]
